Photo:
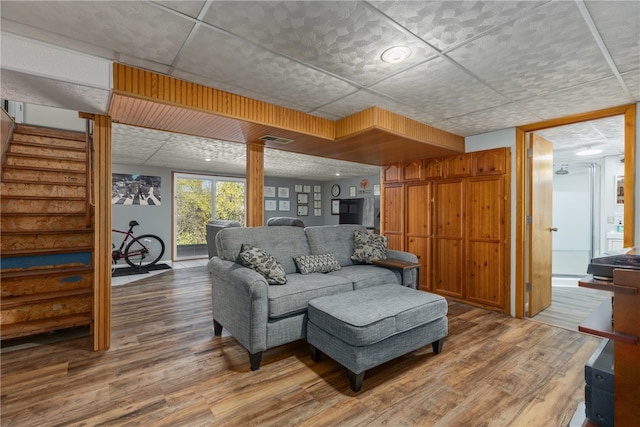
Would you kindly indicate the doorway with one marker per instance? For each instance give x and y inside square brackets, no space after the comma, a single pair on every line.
[197,200]
[522,247]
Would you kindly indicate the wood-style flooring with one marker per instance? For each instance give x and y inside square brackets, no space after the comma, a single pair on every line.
[570,306]
[165,367]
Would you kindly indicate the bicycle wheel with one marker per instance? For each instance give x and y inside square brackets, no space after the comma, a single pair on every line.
[144,251]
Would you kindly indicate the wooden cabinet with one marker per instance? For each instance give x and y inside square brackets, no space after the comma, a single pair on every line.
[451,212]
[448,238]
[484,270]
[418,228]
[392,220]
[457,166]
[490,162]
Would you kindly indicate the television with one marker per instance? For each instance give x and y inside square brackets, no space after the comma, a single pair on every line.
[358,211]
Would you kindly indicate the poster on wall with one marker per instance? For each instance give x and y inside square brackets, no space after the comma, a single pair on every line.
[132,189]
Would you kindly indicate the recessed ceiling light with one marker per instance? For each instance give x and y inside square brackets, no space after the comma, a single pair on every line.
[396,54]
[207,160]
[589,152]
[337,173]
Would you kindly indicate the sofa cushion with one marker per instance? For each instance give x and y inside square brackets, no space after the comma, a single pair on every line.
[368,247]
[283,243]
[300,289]
[322,263]
[365,275]
[335,239]
[370,315]
[263,263]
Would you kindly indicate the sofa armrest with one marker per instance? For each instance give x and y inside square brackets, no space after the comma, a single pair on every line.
[239,302]
[410,276]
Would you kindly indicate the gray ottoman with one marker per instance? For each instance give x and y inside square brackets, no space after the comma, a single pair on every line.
[370,326]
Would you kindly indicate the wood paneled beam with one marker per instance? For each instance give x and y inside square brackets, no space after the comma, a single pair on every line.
[255,184]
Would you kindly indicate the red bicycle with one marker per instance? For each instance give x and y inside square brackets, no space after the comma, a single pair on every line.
[141,251]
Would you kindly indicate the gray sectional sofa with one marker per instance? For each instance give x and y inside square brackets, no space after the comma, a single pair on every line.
[262,316]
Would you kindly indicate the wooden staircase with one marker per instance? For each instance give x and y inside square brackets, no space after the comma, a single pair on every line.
[46,245]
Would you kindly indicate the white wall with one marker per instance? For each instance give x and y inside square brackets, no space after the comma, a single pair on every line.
[487,141]
[58,118]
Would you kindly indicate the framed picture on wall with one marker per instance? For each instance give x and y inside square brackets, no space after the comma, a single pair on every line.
[619,190]
[284,205]
[303,198]
[269,191]
[317,212]
[303,210]
[353,191]
[269,205]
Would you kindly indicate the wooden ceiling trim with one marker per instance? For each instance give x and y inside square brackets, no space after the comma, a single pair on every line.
[130,81]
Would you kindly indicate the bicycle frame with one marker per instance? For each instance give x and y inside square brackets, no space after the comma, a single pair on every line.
[117,254]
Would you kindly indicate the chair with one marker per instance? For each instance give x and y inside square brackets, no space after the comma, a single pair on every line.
[285,220]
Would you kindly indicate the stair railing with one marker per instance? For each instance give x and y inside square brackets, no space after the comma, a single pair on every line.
[89,173]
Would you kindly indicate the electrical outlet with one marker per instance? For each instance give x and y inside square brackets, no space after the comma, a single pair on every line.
[610,220]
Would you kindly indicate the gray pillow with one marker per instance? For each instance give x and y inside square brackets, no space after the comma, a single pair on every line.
[368,247]
[263,263]
[323,263]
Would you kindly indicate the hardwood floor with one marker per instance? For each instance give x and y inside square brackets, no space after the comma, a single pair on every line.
[165,367]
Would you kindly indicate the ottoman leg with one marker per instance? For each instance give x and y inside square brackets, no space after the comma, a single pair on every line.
[355,380]
[316,354]
[437,345]
[217,328]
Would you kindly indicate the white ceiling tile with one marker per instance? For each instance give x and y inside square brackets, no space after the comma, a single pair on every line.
[619,28]
[188,7]
[229,59]
[549,50]
[506,115]
[440,89]
[591,96]
[445,24]
[632,80]
[344,38]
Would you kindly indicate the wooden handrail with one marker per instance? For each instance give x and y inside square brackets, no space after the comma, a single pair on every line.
[88,180]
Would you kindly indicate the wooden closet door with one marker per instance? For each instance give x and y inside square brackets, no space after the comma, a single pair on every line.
[392,220]
[448,237]
[484,277]
[418,228]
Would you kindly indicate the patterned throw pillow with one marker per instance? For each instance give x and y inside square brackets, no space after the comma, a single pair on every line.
[263,263]
[323,263]
[368,247]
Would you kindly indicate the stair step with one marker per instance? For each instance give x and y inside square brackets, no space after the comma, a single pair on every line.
[39,205]
[41,223]
[49,142]
[34,131]
[27,282]
[45,150]
[42,297]
[44,163]
[45,239]
[23,329]
[44,251]
[41,190]
[28,173]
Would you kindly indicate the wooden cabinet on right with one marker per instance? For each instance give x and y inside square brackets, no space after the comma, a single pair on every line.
[451,213]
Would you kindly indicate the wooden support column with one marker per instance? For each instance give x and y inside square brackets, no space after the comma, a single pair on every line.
[102,232]
[255,184]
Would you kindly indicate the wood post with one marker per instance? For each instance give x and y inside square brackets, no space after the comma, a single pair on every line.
[255,184]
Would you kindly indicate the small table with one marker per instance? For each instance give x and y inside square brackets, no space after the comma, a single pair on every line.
[401,265]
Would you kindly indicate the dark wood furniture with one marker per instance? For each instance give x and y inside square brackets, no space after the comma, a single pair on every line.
[624,329]
[401,265]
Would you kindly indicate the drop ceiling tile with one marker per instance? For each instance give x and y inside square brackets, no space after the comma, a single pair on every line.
[158,34]
[190,8]
[590,96]
[38,90]
[343,38]
[445,24]
[632,80]
[549,50]
[477,122]
[619,26]
[439,88]
[231,60]
[237,90]
[286,164]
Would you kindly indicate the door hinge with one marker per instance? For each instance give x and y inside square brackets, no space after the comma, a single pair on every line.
[529,220]
[529,153]
[528,286]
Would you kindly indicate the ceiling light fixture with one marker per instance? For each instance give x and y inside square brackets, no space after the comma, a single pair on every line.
[396,54]
[589,152]
[207,159]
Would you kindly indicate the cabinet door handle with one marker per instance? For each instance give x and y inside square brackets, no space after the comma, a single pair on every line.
[553,229]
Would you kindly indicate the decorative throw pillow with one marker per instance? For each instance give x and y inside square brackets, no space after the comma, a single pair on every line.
[368,247]
[262,262]
[323,263]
